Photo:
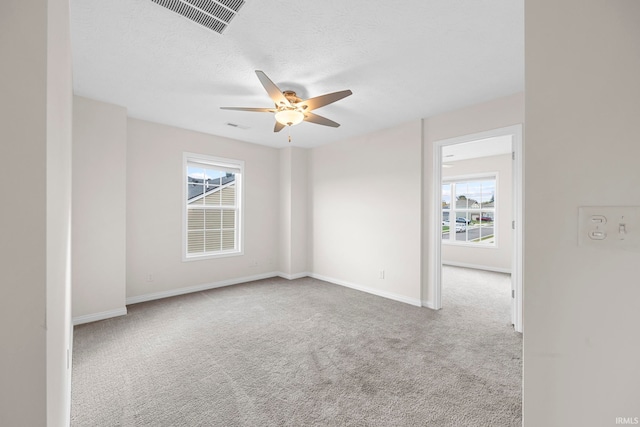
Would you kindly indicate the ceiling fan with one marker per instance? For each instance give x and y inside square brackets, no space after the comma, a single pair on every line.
[289,109]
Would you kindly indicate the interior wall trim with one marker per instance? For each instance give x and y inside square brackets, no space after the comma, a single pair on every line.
[293,276]
[190,289]
[377,292]
[429,304]
[88,318]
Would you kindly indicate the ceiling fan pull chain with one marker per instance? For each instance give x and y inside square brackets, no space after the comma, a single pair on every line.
[289,129]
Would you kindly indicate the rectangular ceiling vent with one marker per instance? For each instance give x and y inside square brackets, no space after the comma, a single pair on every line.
[213,14]
[235,125]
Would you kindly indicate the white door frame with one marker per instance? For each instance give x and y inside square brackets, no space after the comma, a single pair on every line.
[518,216]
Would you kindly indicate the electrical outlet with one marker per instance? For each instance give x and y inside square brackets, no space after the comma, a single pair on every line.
[382,274]
[149,278]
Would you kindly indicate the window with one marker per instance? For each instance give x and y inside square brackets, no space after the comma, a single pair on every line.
[212,206]
[468,211]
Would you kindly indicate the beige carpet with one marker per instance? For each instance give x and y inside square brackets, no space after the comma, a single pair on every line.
[301,353]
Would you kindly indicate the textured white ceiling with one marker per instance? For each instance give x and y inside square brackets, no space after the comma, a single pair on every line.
[402,60]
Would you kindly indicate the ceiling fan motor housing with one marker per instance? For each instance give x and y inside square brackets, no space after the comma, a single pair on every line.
[291,96]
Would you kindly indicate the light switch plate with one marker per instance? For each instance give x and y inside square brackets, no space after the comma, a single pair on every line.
[609,227]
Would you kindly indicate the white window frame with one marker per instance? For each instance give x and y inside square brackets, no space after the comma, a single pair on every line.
[452,212]
[220,163]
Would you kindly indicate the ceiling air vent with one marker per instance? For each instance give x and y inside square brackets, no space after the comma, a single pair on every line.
[235,125]
[213,14]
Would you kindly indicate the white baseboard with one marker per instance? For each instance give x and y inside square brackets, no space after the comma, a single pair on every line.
[293,276]
[477,267]
[377,292]
[190,289]
[87,318]
[429,304]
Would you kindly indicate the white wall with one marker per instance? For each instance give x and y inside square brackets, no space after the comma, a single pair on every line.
[23,255]
[155,204]
[284,260]
[498,257]
[490,115]
[366,212]
[581,315]
[299,215]
[99,209]
[293,212]
[35,128]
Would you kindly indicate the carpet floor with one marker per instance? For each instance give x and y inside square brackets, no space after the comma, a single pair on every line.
[303,353]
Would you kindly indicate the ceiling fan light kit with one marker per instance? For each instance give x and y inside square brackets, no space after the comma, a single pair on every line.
[289,109]
[289,117]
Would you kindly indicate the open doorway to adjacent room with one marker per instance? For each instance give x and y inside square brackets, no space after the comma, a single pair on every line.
[478,210]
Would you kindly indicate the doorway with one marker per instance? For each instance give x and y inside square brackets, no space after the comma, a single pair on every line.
[469,218]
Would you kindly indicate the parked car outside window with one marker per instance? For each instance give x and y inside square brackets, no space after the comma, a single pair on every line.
[459,226]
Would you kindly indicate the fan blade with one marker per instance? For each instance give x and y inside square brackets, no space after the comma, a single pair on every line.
[261,110]
[274,92]
[322,100]
[278,127]
[314,118]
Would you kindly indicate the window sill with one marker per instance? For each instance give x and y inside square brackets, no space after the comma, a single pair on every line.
[189,258]
[471,245]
